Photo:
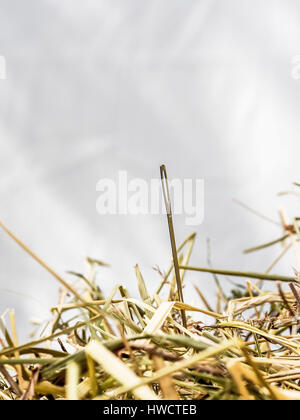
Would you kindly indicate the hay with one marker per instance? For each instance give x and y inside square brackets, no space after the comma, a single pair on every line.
[120,347]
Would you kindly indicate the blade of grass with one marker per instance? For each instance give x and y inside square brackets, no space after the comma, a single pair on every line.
[184,364]
[159,318]
[251,275]
[113,365]
[72,381]
[43,264]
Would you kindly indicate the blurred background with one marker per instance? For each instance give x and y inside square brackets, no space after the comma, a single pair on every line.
[208,87]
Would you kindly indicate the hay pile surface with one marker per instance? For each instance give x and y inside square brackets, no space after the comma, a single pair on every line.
[119,347]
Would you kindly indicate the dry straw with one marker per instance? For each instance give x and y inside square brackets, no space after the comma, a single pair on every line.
[121,347]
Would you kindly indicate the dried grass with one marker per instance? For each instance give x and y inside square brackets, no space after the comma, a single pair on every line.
[120,347]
